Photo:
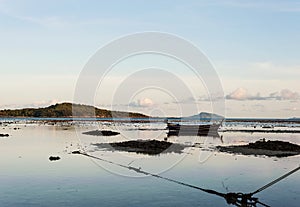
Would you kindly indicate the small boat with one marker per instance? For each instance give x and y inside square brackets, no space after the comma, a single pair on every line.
[193,130]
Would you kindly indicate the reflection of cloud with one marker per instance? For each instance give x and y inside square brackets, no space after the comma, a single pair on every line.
[242,94]
[145,102]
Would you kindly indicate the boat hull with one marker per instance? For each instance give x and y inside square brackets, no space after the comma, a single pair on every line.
[193,130]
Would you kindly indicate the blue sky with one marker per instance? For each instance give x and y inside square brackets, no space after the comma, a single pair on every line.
[254,46]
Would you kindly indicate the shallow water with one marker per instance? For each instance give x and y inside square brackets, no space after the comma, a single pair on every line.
[28,178]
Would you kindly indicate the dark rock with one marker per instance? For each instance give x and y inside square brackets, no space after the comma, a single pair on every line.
[263,147]
[76,152]
[4,135]
[101,133]
[149,147]
[274,145]
[54,158]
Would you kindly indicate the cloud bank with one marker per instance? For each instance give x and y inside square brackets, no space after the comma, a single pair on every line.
[242,94]
[143,103]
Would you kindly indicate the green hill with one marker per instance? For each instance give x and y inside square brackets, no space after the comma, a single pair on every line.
[68,110]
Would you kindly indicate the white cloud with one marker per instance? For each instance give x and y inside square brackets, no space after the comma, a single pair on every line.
[243,94]
[239,94]
[145,102]
[287,94]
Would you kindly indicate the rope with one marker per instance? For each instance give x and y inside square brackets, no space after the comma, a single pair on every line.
[238,199]
[275,181]
[138,170]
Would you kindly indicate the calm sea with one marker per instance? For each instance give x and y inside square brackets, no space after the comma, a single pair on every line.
[28,178]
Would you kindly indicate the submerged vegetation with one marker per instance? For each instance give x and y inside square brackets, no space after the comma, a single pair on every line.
[262,147]
[69,110]
[149,147]
[101,133]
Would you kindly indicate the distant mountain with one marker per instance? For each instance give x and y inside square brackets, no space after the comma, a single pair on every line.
[205,116]
[294,119]
[69,110]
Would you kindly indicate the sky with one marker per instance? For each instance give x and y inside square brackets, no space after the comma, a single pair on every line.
[252,44]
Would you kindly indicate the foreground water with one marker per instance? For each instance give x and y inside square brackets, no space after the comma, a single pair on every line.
[28,178]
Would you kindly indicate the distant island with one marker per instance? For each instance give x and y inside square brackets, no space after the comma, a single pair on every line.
[204,116]
[294,119]
[69,110]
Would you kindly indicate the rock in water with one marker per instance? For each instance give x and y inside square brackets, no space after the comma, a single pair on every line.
[149,147]
[263,147]
[101,133]
[54,158]
[76,152]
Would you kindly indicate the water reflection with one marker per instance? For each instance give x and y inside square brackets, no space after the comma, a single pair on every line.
[24,162]
[236,199]
[191,133]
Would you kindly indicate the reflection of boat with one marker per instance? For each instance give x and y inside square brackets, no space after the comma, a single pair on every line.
[267,127]
[193,130]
